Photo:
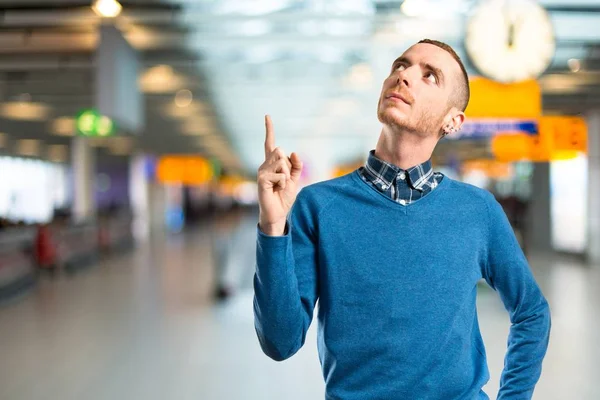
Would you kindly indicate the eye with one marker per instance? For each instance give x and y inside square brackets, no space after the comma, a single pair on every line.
[431,77]
[400,67]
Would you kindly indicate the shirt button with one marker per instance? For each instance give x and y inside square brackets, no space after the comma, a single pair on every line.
[403,202]
[384,187]
[402,176]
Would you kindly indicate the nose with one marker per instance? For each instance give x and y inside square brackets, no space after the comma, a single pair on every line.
[402,78]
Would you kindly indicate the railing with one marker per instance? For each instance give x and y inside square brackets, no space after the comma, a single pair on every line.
[17,266]
[56,248]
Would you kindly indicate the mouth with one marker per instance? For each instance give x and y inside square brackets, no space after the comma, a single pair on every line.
[397,97]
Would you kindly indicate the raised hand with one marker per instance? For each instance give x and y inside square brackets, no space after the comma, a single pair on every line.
[278,179]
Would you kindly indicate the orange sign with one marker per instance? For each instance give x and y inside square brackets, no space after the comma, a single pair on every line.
[188,170]
[490,99]
[510,147]
[559,138]
[541,148]
[567,133]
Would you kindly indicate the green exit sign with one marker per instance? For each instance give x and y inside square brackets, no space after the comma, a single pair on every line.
[91,123]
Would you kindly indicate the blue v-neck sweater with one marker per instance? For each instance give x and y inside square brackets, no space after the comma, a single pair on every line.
[397,292]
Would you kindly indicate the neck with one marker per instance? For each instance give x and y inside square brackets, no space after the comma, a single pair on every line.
[404,149]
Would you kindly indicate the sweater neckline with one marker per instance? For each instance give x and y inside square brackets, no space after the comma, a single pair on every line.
[442,185]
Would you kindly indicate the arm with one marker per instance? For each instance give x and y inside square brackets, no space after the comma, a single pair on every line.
[285,284]
[509,274]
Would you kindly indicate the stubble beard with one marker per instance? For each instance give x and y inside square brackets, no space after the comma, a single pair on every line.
[386,116]
[425,125]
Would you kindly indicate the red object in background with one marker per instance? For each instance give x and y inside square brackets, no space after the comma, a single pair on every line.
[45,249]
[103,237]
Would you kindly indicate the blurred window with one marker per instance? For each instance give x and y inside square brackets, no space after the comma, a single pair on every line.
[30,190]
[568,204]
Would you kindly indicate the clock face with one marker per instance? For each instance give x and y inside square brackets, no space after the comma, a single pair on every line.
[510,40]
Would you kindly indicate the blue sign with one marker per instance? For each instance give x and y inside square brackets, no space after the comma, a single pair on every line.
[485,129]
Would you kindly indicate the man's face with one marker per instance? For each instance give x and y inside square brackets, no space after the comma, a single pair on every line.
[416,94]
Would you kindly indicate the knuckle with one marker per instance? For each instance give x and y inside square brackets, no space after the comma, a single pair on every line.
[264,175]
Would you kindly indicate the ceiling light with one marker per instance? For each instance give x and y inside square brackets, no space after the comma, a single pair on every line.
[412,8]
[63,126]
[574,65]
[107,8]
[255,7]
[143,38]
[256,27]
[28,147]
[183,98]
[24,111]
[160,79]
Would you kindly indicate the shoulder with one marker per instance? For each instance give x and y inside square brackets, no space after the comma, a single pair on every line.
[323,190]
[477,205]
[465,193]
[319,195]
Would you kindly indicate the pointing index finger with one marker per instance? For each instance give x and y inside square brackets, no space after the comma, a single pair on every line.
[270,136]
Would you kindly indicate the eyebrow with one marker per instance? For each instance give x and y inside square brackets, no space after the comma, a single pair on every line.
[426,66]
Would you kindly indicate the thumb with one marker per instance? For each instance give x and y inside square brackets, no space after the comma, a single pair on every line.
[296,170]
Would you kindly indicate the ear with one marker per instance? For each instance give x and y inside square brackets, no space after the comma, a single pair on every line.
[453,121]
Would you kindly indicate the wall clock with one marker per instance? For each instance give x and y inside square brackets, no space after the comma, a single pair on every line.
[510,40]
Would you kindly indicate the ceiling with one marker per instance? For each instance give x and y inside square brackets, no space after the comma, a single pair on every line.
[314,65]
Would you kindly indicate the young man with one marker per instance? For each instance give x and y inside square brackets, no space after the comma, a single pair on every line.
[394,252]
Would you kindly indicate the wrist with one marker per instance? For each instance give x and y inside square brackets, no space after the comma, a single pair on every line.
[275,229]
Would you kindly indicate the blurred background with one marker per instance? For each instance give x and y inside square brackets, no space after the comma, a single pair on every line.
[130,137]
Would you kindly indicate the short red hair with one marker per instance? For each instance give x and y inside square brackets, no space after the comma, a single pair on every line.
[461,100]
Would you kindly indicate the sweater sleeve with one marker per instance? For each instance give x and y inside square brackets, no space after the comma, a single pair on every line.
[285,283]
[509,274]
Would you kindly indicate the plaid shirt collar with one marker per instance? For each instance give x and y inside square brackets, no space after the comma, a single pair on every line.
[382,173]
